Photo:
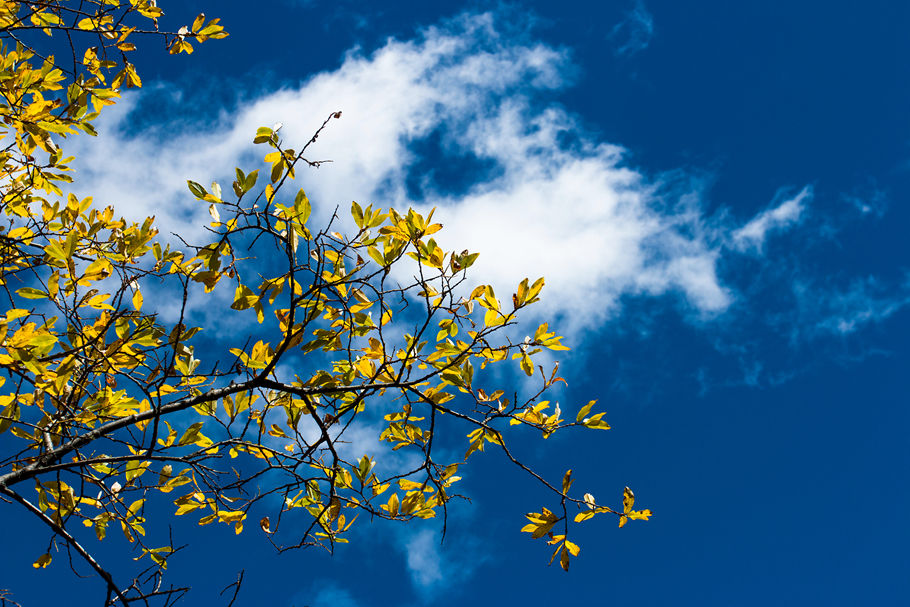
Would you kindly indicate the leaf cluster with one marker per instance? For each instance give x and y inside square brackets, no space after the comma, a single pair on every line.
[112,416]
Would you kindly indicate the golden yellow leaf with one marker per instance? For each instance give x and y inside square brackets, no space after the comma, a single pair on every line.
[583,412]
[640,515]
[567,482]
[392,506]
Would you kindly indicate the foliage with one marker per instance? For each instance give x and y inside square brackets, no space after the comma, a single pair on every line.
[109,417]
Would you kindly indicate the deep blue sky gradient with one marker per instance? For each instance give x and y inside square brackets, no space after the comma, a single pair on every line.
[775,458]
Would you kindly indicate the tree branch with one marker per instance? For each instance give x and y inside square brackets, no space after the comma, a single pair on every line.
[59,530]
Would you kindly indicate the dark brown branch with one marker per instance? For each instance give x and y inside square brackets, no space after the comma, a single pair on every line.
[59,530]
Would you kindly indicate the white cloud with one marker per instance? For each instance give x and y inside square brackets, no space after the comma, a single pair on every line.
[533,204]
[424,559]
[328,596]
[434,565]
[752,236]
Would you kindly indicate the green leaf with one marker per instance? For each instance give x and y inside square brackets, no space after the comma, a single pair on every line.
[30,293]
[357,214]
[250,181]
[197,190]
[302,207]
[54,250]
[135,469]
[244,298]
[263,134]
[9,414]
[191,435]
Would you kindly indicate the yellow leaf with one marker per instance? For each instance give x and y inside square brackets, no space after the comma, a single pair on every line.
[567,482]
[265,524]
[555,552]
[408,485]
[135,507]
[184,508]
[101,526]
[595,422]
[392,506]
[583,412]
[137,300]
[191,434]
[135,469]
[583,516]
[586,514]
[526,364]
[30,293]
[541,523]
[628,500]
[244,298]
[537,531]
[198,22]
[43,561]
[231,516]
[639,515]
[9,414]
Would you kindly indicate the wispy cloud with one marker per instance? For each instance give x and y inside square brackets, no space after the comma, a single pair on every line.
[843,311]
[633,34]
[424,559]
[752,236]
[869,201]
[794,320]
[434,565]
[329,595]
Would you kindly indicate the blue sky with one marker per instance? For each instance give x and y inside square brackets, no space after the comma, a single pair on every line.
[716,194]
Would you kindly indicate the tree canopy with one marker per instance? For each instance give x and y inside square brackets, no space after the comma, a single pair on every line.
[114,418]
